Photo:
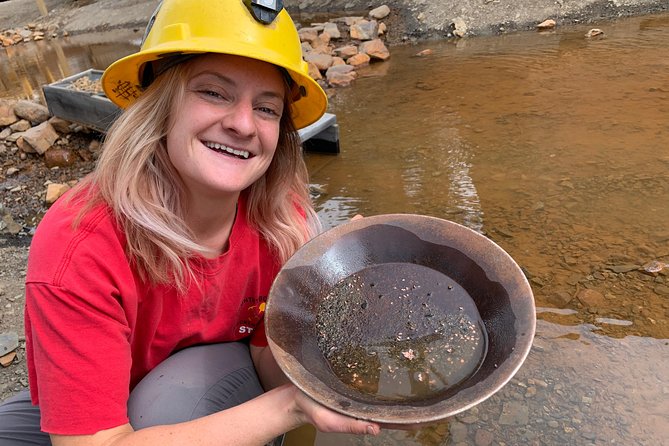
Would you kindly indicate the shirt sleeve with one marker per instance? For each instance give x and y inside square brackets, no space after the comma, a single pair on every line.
[80,354]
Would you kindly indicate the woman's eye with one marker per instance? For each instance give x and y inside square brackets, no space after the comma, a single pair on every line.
[212,93]
[269,111]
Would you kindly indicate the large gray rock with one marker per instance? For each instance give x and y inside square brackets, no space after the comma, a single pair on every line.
[31,111]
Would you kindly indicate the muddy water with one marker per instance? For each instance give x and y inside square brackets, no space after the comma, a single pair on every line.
[25,68]
[553,145]
[557,147]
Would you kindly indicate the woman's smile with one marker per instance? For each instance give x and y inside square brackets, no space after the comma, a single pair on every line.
[221,148]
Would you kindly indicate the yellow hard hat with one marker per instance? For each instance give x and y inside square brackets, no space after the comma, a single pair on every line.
[259,29]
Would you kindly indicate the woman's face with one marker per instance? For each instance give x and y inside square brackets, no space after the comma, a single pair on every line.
[224,133]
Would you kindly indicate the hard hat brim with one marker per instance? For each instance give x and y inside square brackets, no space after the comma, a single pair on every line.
[122,85]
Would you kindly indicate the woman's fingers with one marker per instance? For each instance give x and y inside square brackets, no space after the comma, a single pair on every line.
[326,420]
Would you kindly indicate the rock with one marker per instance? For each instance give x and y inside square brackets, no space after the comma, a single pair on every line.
[559,299]
[376,49]
[340,69]
[364,30]
[314,72]
[459,27]
[5,41]
[349,21]
[8,342]
[594,32]
[9,226]
[346,51]
[33,112]
[323,39]
[426,52]
[483,438]
[60,125]
[95,146]
[41,137]
[359,60]
[22,144]
[591,299]
[59,158]
[7,115]
[20,126]
[623,268]
[5,133]
[54,191]
[332,29]
[380,13]
[661,290]
[322,61]
[654,266]
[340,75]
[308,34]
[458,431]
[515,413]
[7,359]
[546,24]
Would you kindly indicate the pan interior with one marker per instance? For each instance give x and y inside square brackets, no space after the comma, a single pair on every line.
[400,319]
[400,332]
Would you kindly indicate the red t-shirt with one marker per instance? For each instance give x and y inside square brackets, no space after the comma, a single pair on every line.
[94,328]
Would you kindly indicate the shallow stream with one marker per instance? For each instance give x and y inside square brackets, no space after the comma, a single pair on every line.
[556,146]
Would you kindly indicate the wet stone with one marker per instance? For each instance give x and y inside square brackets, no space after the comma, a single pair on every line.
[483,438]
[458,431]
[661,289]
[469,419]
[514,413]
[623,268]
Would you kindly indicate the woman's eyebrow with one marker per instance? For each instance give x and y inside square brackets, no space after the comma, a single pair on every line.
[231,82]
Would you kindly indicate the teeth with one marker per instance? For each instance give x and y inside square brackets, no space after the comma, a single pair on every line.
[240,153]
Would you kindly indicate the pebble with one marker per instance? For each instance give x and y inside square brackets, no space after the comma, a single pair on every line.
[483,438]
[514,413]
[8,341]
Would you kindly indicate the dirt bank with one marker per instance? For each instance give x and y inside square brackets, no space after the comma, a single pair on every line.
[417,19]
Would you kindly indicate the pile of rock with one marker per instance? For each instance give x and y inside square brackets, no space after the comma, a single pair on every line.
[26,128]
[29,33]
[336,49]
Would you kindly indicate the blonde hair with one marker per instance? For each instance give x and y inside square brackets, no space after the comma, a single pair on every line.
[135,177]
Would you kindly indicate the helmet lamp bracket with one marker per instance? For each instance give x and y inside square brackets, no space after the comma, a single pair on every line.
[264,11]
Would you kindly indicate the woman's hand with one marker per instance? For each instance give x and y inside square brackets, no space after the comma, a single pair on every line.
[326,420]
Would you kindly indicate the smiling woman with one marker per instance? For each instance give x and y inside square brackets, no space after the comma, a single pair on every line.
[145,324]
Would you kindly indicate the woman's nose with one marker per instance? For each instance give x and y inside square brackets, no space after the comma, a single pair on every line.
[240,119]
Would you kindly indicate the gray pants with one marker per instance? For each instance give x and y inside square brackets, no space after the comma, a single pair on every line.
[190,384]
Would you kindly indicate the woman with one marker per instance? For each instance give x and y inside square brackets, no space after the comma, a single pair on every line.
[146,285]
